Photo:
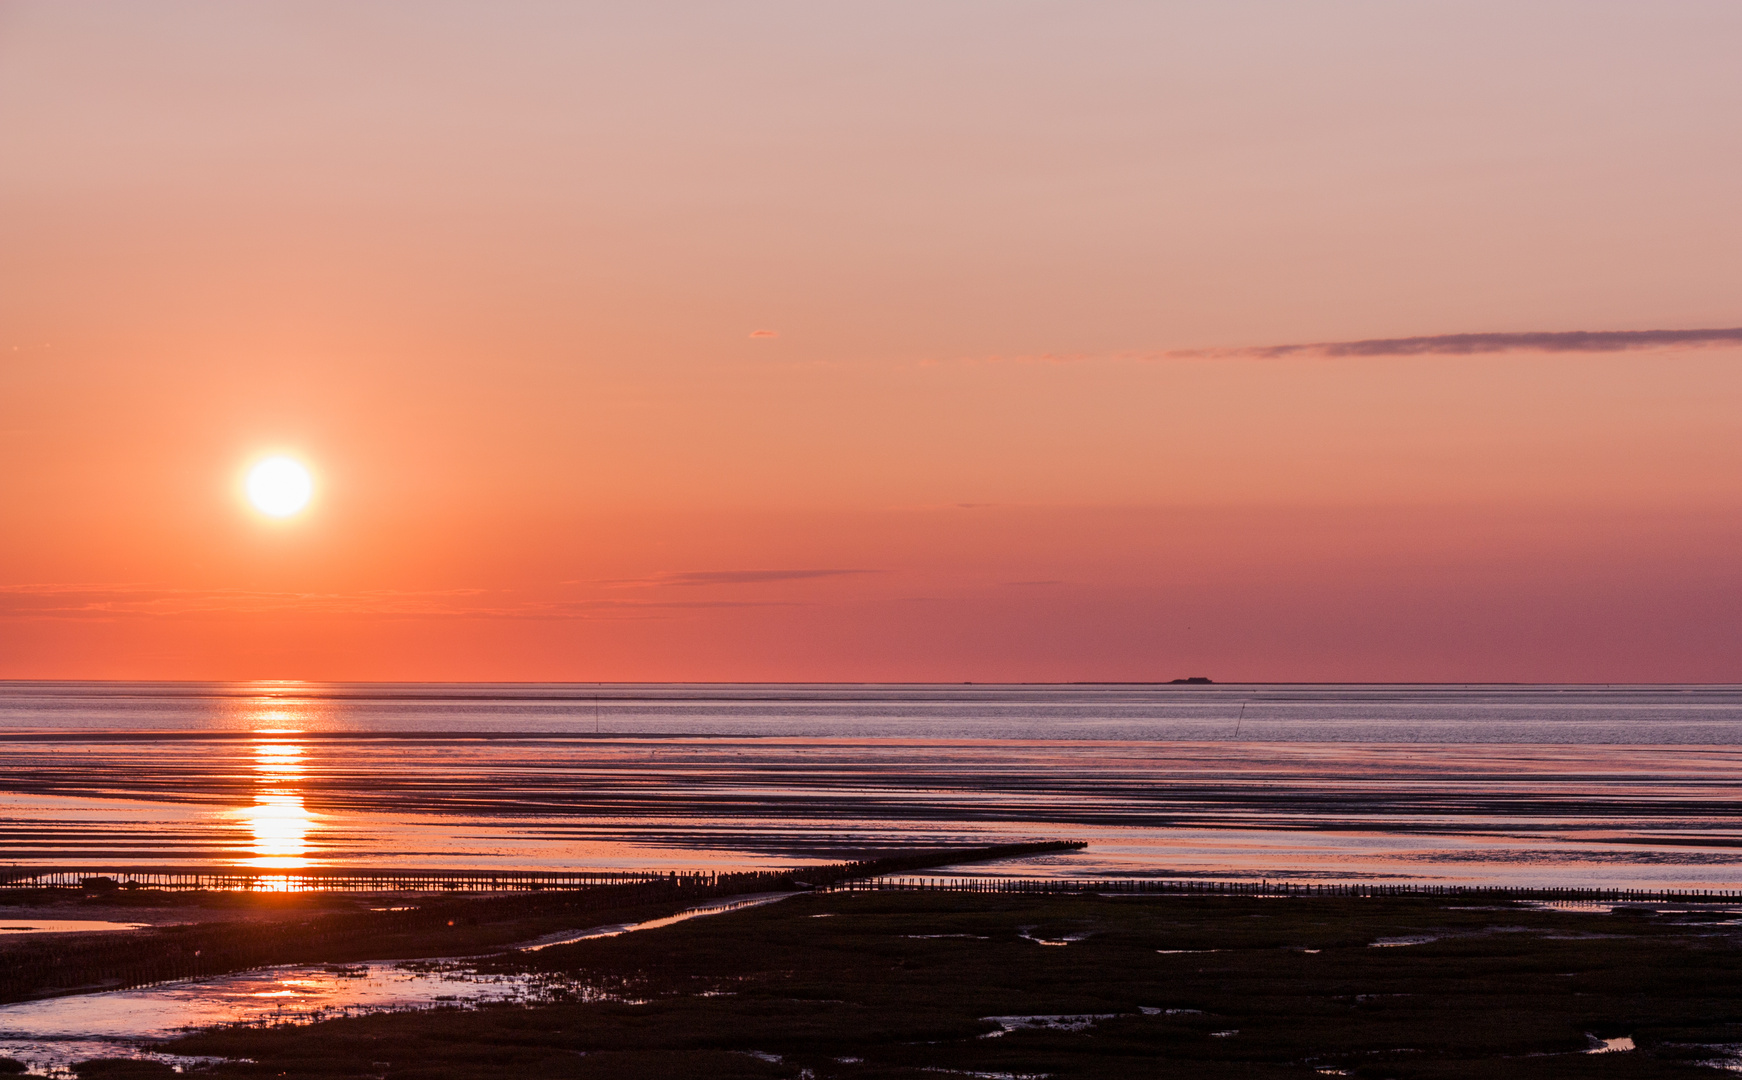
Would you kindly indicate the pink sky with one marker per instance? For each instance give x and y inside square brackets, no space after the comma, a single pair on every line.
[497,272]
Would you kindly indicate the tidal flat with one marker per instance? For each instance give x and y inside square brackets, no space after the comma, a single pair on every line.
[929,984]
[1530,786]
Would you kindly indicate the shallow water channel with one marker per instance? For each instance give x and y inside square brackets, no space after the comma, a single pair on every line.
[51,1034]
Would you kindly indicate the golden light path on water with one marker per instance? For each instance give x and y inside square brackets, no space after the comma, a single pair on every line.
[279,820]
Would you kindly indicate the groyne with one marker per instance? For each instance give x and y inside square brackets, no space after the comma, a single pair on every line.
[1193,887]
[367,880]
[430,925]
[349,879]
[867,875]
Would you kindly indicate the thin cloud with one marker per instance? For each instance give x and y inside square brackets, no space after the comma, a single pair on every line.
[84,601]
[715,577]
[748,577]
[132,601]
[1558,341]
[764,333]
[621,609]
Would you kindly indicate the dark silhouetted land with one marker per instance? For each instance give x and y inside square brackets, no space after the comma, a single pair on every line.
[917,985]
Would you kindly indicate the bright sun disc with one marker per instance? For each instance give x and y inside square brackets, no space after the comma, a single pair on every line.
[279,486]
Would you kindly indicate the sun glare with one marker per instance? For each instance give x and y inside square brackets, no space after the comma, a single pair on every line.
[279,486]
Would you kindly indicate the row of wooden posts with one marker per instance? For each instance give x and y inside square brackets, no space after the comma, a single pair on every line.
[1044,886]
[412,880]
[233,879]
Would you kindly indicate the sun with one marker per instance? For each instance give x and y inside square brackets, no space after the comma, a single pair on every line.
[279,486]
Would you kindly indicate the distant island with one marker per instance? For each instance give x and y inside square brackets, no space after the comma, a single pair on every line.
[1195,680]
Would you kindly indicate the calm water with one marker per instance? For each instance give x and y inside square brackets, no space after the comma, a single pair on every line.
[52,1034]
[1530,785]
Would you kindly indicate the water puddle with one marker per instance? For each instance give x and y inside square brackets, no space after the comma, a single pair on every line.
[1610,1046]
[65,926]
[718,907]
[1400,942]
[1055,1022]
[1023,932]
[51,1034]
[1730,1059]
[56,1059]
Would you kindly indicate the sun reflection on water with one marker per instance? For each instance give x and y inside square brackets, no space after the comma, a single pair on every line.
[281,825]
[278,760]
[279,819]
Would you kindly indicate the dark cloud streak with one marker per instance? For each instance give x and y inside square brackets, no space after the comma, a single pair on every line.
[1568,341]
[747,577]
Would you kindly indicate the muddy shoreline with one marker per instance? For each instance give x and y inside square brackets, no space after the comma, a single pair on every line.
[854,986]
[863,985]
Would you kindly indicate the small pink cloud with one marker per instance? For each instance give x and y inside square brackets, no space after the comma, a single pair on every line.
[765,333]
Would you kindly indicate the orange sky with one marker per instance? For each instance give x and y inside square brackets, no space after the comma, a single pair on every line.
[495,273]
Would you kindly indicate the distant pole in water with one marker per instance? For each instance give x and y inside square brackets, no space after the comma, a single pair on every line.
[1238,719]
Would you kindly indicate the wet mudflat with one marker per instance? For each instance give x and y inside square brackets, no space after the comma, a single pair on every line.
[1534,786]
[53,1034]
[884,985]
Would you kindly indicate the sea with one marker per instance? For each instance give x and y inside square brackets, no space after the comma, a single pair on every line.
[1543,786]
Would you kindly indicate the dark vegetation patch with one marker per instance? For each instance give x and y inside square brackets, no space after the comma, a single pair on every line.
[905,985]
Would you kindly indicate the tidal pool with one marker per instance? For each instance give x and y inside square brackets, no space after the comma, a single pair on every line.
[717,907]
[51,1034]
[64,926]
